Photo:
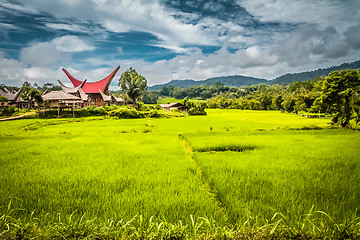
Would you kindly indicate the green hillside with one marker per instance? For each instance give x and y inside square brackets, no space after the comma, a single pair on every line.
[234,81]
[304,76]
[240,81]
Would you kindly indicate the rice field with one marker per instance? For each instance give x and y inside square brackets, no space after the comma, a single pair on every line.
[244,171]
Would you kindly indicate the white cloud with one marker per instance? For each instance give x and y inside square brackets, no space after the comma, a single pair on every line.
[74,27]
[71,44]
[41,55]
[323,33]
[323,13]
[11,71]
[199,66]
[123,16]
[48,54]
[7,26]
[120,50]
[16,7]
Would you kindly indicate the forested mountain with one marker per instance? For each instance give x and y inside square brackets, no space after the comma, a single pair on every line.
[238,81]
[234,81]
[304,76]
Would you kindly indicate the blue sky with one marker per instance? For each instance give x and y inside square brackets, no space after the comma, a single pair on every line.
[173,39]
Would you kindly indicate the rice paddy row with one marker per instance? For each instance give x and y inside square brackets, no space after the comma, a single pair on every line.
[231,173]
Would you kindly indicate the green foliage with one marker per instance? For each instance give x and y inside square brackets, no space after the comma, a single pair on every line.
[289,104]
[165,91]
[3,100]
[49,87]
[337,95]
[126,113]
[31,94]
[195,107]
[36,96]
[340,93]
[154,114]
[9,110]
[167,100]
[132,84]
[144,111]
[150,97]
[93,111]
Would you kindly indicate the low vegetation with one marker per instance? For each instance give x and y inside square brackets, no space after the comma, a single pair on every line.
[109,111]
[235,174]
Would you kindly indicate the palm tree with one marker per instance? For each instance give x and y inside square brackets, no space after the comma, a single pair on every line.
[133,85]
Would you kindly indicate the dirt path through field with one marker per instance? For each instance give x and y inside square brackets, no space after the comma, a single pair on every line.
[211,191]
[16,117]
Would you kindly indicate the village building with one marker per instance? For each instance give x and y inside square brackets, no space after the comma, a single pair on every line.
[175,105]
[97,92]
[14,99]
[83,93]
[61,99]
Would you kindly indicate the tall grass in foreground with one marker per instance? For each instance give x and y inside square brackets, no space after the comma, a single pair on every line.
[103,169]
[313,225]
[101,178]
[283,171]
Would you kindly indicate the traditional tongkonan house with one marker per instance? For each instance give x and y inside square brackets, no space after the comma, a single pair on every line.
[14,99]
[78,92]
[95,90]
[60,99]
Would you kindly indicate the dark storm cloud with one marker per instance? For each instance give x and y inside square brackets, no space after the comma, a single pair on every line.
[352,35]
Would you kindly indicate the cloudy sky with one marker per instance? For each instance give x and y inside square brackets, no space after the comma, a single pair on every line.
[173,39]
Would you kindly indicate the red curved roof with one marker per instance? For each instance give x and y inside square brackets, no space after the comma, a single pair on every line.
[93,87]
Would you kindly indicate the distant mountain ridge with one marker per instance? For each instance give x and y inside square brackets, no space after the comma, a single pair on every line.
[239,81]
[304,76]
[234,81]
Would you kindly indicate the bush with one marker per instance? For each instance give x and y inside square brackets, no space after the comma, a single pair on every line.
[195,107]
[157,107]
[197,111]
[155,114]
[126,113]
[92,111]
[9,110]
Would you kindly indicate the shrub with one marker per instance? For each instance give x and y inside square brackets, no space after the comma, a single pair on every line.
[155,114]
[9,110]
[197,111]
[195,107]
[126,113]
[92,111]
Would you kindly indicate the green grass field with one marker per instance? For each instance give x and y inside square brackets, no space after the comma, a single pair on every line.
[250,172]
[167,100]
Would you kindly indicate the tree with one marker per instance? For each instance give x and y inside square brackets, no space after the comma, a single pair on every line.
[3,100]
[150,97]
[31,94]
[50,87]
[36,96]
[165,91]
[132,84]
[339,91]
[219,85]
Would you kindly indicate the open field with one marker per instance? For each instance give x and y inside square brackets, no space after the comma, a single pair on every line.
[167,100]
[238,168]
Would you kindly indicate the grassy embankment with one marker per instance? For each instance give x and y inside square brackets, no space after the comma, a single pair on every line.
[91,177]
